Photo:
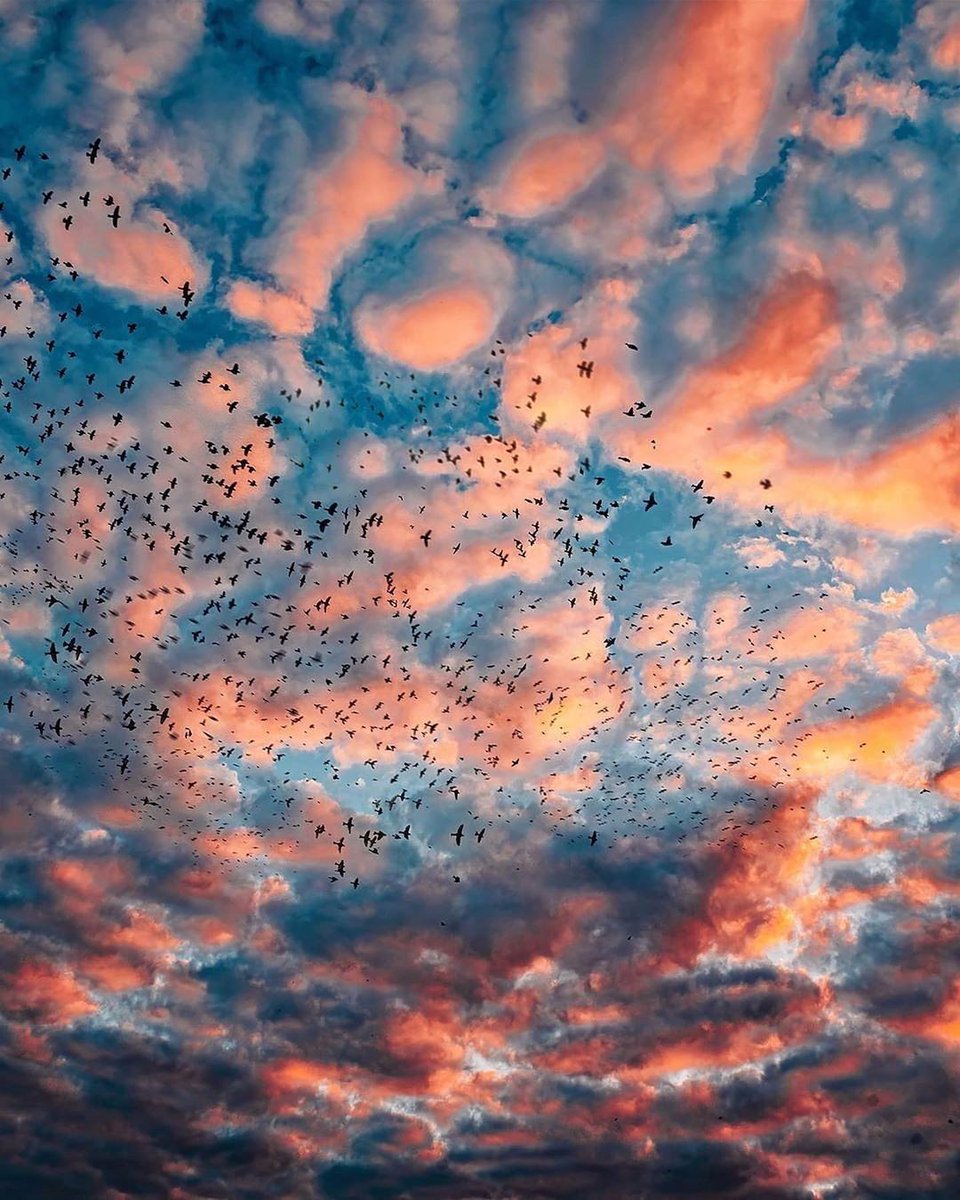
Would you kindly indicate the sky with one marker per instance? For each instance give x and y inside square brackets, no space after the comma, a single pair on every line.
[479,627]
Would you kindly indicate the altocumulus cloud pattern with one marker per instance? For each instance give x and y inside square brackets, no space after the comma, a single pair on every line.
[479,621]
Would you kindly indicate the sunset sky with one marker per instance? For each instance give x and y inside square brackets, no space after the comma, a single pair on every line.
[479,623]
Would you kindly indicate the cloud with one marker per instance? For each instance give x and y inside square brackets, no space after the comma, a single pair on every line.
[393,536]
[142,50]
[432,330]
[134,257]
[464,291]
[944,633]
[548,48]
[547,172]
[946,52]
[336,204]
[312,21]
[285,314]
[695,111]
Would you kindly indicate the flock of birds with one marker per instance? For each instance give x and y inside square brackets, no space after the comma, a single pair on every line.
[219,592]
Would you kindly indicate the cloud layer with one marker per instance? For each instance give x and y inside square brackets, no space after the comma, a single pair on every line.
[478,628]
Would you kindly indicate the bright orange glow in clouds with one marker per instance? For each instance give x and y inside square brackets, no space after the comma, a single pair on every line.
[479,627]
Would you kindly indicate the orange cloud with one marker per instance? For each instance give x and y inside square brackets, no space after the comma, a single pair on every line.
[432,330]
[458,287]
[948,782]
[815,634]
[565,403]
[753,907]
[794,330]
[946,53]
[720,421]
[700,105]
[113,973]
[133,256]
[367,182]
[944,633]
[547,172]
[877,744]
[47,993]
[284,314]
[840,133]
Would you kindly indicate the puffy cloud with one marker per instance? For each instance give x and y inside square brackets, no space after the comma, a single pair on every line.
[135,257]
[547,172]
[548,50]
[696,109]
[877,744]
[285,314]
[946,52]
[944,633]
[432,330]
[313,611]
[312,21]
[47,993]
[722,420]
[455,311]
[365,182]
[142,50]
[760,553]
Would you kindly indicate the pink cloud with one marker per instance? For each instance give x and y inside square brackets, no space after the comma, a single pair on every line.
[944,633]
[722,420]
[24,311]
[367,181]
[840,133]
[760,552]
[878,744]
[819,633]
[48,993]
[285,314]
[693,114]
[307,20]
[567,403]
[719,421]
[946,53]
[697,110]
[146,47]
[134,256]
[432,330]
[456,292]
[547,172]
